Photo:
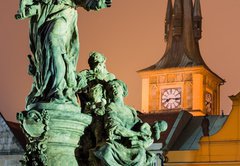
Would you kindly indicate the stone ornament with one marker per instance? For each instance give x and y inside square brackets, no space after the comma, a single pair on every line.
[35,126]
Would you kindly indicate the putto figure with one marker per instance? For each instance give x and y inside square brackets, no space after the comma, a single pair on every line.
[54,44]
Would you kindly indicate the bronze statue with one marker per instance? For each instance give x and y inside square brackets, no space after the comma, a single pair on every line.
[127,136]
[55,46]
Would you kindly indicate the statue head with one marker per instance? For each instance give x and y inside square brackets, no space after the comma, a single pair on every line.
[96,60]
[162,125]
[117,88]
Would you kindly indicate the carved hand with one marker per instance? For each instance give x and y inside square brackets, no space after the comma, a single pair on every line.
[108,3]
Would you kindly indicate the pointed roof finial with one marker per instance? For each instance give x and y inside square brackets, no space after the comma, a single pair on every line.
[168,19]
[192,4]
[169,11]
[197,20]
[177,18]
[197,9]
[178,7]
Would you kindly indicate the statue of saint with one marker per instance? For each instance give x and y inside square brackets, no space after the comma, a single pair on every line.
[97,74]
[54,44]
[91,85]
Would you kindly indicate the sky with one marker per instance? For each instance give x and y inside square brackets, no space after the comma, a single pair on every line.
[131,35]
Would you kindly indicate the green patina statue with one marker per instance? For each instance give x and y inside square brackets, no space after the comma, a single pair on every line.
[92,94]
[116,135]
[90,77]
[53,114]
[113,135]
[127,137]
[55,46]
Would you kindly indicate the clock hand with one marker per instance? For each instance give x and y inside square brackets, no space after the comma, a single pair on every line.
[177,98]
[172,98]
[167,100]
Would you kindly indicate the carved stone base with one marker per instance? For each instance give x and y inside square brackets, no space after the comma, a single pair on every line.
[53,132]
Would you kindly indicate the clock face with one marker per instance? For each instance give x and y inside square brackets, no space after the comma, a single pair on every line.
[208,102]
[171,98]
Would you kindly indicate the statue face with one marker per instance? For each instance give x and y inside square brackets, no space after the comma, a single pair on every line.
[100,68]
[96,62]
[117,90]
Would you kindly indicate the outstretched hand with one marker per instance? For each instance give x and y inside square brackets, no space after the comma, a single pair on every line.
[108,3]
[145,130]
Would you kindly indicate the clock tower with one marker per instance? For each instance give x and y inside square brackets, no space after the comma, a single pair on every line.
[181,80]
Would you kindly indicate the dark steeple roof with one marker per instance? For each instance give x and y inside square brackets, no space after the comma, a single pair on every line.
[182,32]
[197,9]
[168,18]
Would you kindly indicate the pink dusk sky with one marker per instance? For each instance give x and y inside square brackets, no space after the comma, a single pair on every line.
[131,35]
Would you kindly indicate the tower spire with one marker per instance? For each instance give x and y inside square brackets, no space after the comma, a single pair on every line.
[181,68]
[197,20]
[168,18]
[197,9]
[177,18]
[183,30]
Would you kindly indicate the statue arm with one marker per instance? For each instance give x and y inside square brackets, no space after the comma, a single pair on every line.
[137,139]
[124,132]
[82,81]
[94,4]
[116,129]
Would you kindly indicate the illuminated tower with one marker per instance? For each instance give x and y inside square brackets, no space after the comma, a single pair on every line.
[181,80]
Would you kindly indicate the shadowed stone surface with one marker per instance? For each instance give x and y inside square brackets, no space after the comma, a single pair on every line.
[11,150]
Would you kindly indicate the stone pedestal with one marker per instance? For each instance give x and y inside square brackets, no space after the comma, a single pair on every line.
[53,132]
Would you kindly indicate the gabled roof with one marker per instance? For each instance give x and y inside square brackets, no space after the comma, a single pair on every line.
[169,117]
[9,142]
[17,131]
[184,130]
[190,136]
